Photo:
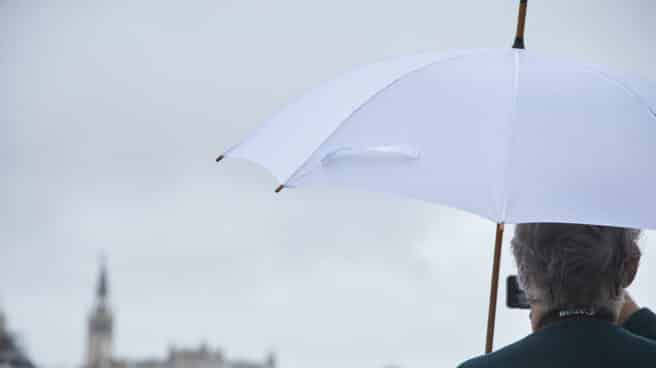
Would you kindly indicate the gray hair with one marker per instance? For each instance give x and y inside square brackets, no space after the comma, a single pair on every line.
[564,266]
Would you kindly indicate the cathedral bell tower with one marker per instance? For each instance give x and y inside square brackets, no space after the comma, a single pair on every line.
[99,338]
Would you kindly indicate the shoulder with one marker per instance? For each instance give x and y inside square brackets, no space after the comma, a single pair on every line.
[642,323]
[503,357]
[574,341]
[480,361]
[488,361]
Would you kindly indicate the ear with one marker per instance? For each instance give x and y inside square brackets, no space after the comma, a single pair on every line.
[631,269]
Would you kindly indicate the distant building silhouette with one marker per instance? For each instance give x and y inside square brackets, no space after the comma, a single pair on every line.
[11,356]
[100,343]
[3,322]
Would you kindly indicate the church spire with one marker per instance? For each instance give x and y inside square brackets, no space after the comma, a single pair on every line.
[100,328]
[103,285]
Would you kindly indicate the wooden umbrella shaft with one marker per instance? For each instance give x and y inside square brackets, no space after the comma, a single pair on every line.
[521,25]
[494,288]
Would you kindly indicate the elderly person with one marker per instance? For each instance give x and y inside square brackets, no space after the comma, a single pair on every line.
[575,278]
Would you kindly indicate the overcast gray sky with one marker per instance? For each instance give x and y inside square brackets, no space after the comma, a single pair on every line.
[112,113]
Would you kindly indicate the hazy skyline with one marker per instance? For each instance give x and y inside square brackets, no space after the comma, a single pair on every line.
[113,113]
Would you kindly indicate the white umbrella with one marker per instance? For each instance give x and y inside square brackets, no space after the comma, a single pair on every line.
[508,134]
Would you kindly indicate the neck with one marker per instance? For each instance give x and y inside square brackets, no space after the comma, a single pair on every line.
[541,318]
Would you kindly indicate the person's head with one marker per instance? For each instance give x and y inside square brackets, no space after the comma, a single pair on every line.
[570,266]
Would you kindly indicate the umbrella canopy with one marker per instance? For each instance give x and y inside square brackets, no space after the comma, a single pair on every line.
[506,134]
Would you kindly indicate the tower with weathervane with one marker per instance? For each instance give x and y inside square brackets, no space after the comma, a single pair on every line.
[100,334]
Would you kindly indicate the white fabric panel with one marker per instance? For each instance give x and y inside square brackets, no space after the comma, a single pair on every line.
[504,134]
[583,149]
[454,113]
[284,142]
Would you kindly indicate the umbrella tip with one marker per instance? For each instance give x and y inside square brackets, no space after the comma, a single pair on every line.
[521,26]
[281,187]
[218,159]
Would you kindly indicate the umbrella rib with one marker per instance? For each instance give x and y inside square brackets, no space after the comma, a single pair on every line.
[511,135]
[374,95]
[630,91]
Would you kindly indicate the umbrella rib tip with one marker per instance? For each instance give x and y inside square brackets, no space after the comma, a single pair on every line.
[221,157]
[280,187]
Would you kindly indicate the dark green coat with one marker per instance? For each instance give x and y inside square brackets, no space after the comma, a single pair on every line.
[581,342]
